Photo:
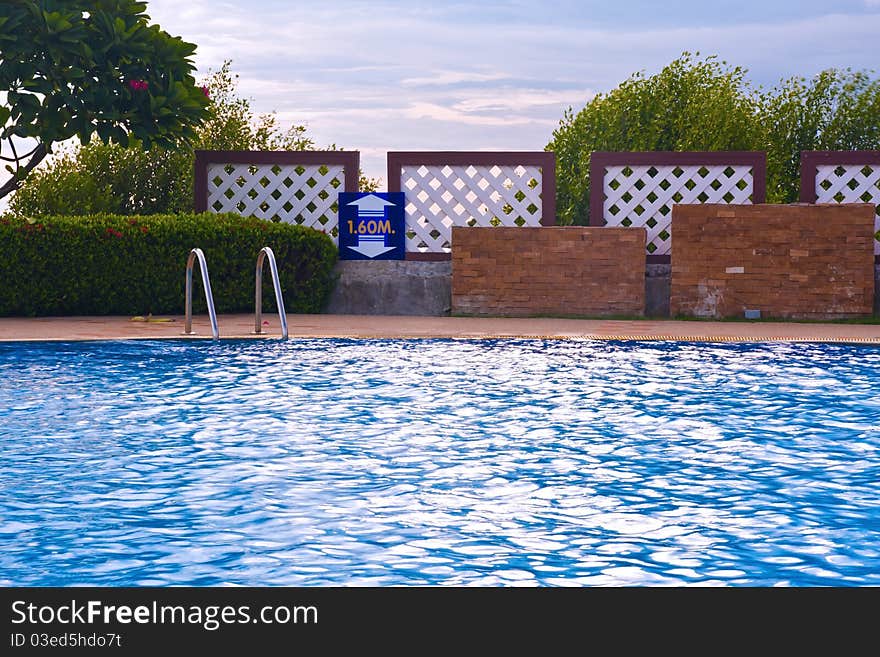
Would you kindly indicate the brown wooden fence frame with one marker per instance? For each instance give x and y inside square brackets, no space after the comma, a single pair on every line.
[348,159]
[811,159]
[601,159]
[544,159]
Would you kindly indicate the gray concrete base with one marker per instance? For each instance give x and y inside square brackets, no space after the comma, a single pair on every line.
[877,290]
[392,287]
[657,278]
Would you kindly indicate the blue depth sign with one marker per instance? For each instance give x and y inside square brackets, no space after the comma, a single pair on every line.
[372,226]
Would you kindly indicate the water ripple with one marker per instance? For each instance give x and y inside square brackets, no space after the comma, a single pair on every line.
[491,463]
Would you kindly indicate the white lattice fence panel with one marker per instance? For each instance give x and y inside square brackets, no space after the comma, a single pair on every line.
[298,194]
[644,195]
[440,197]
[851,183]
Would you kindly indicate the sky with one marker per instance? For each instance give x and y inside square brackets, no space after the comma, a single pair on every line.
[492,75]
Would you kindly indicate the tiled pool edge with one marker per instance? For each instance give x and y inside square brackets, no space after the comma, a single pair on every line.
[571,338]
[372,327]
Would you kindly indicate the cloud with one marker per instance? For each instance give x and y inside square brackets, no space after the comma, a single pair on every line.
[435,112]
[452,77]
[498,75]
[520,99]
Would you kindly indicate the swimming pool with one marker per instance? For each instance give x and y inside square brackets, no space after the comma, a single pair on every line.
[424,462]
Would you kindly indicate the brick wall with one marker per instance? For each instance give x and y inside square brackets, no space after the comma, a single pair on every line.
[548,271]
[788,261]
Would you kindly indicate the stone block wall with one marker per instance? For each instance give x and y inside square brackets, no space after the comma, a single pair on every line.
[787,261]
[557,271]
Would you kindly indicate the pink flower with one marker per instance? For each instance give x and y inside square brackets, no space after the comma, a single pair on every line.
[206,91]
[138,85]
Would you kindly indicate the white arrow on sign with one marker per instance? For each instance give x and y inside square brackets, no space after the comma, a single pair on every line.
[371,204]
[371,245]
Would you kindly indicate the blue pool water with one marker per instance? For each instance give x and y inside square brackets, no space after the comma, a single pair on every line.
[514,462]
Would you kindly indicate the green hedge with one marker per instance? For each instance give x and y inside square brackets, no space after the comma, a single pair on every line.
[113,265]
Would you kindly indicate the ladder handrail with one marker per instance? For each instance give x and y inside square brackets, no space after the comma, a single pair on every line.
[258,294]
[197,253]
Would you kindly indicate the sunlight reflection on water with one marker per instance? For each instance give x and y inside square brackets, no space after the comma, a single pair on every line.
[510,462]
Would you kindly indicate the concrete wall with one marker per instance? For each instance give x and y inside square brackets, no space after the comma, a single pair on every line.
[788,261]
[391,287]
[425,288]
[565,271]
[371,288]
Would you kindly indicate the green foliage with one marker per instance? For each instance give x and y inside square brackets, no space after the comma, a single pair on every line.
[109,178]
[690,105]
[113,265]
[82,68]
[835,110]
[705,105]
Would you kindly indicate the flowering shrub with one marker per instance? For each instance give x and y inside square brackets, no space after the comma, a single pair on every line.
[113,265]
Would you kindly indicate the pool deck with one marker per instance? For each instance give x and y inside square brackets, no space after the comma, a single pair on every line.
[375,326]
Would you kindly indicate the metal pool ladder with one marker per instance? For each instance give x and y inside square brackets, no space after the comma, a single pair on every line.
[258,295]
[197,253]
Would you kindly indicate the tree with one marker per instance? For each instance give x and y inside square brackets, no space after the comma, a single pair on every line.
[109,178]
[691,104]
[76,68]
[835,110]
[705,105]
